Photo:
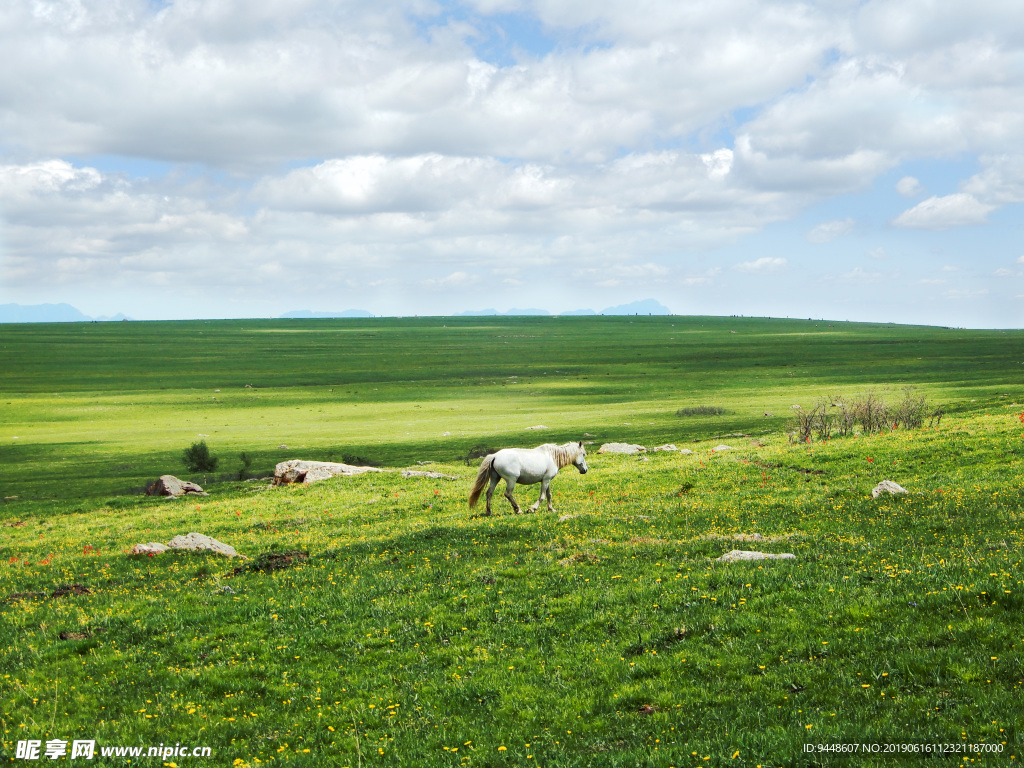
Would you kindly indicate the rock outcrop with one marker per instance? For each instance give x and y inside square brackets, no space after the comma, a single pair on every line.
[621,448]
[298,471]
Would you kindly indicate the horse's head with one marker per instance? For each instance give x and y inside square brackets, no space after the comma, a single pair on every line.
[581,459]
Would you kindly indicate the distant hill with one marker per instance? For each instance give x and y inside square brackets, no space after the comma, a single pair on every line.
[493,312]
[644,307]
[305,314]
[47,313]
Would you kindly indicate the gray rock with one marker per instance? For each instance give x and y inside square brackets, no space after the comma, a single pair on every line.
[666,447]
[723,448]
[419,473]
[620,448]
[151,548]
[169,485]
[742,554]
[887,486]
[198,541]
[298,471]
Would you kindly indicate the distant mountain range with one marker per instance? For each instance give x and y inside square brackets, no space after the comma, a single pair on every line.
[305,314]
[65,313]
[48,313]
[644,307]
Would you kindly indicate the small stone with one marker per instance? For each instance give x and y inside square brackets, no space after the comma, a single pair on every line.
[742,554]
[666,447]
[722,448]
[887,486]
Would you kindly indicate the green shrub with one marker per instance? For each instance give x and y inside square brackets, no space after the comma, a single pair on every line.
[246,460]
[197,458]
[701,410]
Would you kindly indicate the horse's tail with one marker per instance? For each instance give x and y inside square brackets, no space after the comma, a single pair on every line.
[483,476]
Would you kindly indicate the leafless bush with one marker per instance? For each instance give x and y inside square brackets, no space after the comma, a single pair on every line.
[818,422]
[870,412]
[804,425]
[910,412]
[841,415]
[845,416]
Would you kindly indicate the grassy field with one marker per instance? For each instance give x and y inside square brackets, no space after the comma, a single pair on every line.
[378,623]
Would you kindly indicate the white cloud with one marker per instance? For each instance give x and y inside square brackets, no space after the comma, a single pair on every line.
[1000,182]
[956,210]
[860,275]
[830,230]
[961,294]
[908,186]
[403,146]
[456,280]
[764,264]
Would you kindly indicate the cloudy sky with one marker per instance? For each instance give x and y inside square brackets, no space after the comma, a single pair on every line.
[844,159]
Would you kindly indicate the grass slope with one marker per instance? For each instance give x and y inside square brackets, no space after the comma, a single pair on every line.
[392,628]
[101,409]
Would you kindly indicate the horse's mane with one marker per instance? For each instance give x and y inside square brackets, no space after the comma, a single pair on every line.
[564,455]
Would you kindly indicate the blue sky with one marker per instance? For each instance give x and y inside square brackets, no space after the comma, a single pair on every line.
[218,158]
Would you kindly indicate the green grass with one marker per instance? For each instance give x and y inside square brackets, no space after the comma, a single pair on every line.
[415,634]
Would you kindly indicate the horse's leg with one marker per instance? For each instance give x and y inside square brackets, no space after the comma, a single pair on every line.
[510,485]
[550,507]
[543,489]
[495,477]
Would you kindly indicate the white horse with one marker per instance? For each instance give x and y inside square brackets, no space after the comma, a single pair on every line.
[526,466]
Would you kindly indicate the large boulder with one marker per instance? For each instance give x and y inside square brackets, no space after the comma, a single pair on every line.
[169,485]
[298,471]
